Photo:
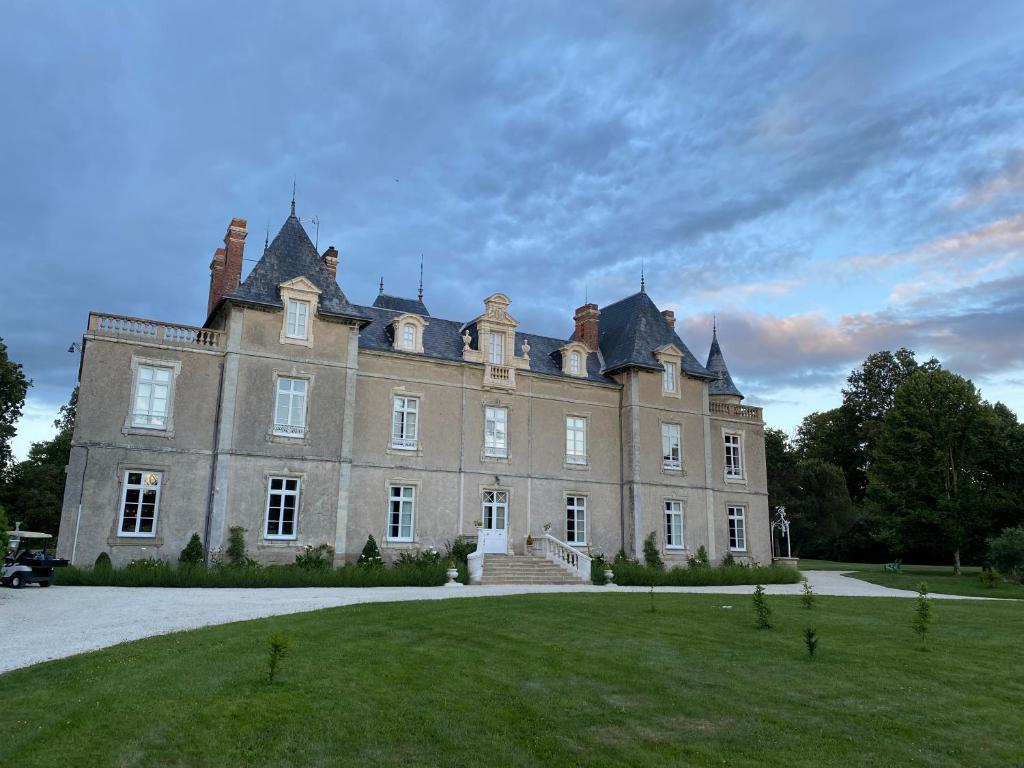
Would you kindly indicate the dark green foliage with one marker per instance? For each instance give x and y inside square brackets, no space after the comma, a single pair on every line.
[103,563]
[235,552]
[807,596]
[459,551]
[424,558]
[13,387]
[598,565]
[1006,553]
[990,578]
[319,557]
[279,646]
[762,611]
[699,559]
[652,558]
[370,556]
[922,612]
[621,557]
[635,575]
[192,554]
[728,559]
[4,526]
[811,641]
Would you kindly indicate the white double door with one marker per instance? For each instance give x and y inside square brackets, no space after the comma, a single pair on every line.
[494,516]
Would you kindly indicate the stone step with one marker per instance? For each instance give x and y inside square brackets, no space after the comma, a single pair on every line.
[529,569]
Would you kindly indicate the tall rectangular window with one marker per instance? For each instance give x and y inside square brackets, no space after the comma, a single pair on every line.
[670,377]
[733,457]
[671,451]
[152,397]
[575,440]
[282,508]
[495,431]
[674,524]
[140,503]
[405,423]
[290,408]
[496,349]
[737,529]
[298,319]
[401,509]
[576,519]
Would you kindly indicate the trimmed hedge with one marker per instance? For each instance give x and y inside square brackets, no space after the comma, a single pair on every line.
[630,574]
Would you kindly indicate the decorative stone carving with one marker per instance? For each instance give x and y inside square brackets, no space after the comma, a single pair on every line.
[466,341]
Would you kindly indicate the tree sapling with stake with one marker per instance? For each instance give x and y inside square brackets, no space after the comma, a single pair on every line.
[762,609]
[811,641]
[922,612]
[807,596]
[279,647]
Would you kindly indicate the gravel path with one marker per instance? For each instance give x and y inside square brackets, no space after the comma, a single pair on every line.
[63,621]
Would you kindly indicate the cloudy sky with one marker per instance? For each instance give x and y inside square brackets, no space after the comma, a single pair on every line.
[831,179]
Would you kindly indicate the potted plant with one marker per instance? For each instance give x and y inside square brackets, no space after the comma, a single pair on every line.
[452,573]
[529,541]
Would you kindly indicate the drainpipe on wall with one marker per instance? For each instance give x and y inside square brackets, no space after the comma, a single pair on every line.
[213,466]
[81,494]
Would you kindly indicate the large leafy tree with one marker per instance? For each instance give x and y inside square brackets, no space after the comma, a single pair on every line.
[927,480]
[821,511]
[832,437]
[13,387]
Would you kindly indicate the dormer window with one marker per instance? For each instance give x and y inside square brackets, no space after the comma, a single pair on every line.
[670,377]
[671,359]
[300,298]
[298,319]
[407,330]
[574,359]
[408,336]
[574,363]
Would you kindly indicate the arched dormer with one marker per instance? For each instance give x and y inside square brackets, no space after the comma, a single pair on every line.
[407,330]
[574,359]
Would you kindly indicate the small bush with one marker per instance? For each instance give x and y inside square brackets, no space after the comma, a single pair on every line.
[762,610]
[235,553]
[621,557]
[319,557]
[192,554]
[652,558]
[102,562]
[370,556]
[807,596]
[700,558]
[424,558]
[922,612]
[4,525]
[598,565]
[811,641]
[990,578]
[1006,553]
[632,574]
[728,559]
[279,645]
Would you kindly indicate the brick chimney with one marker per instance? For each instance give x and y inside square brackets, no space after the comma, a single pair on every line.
[331,261]
[586,325]
[226,267]
[670,318]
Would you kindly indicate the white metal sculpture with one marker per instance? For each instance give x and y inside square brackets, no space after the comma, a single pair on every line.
[781,522]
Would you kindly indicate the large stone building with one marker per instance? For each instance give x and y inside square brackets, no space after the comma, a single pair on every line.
[307,419]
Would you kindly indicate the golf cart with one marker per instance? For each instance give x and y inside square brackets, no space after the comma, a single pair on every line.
[23,565]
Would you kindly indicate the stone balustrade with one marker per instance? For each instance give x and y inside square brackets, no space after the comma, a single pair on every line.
[735,411]
[153,332]
[499,376]
[564,555]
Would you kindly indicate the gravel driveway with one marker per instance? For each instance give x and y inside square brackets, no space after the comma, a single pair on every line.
[62,621]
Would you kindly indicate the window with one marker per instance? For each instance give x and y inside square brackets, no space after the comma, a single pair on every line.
[671,457]
[290,409]
[495,432]
[152,397]
[737,529]
[282,508]
[733,458]
[574,363]
[575,440]
[298,319]
[408,336]
[496,349]
[401,506]
[674,524]
[140,502]
[494,510]
[404,419]
[670,377]
[576,519]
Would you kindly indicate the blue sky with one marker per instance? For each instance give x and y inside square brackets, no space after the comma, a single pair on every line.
[830,179]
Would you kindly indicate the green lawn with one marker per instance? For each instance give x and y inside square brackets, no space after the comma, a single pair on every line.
[940,578]
[575,679]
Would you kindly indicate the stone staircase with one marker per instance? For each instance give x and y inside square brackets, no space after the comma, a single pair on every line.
[525,569]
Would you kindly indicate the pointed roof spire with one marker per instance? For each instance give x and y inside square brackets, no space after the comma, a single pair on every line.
[381,292]
[643,288]
[421,278]
[724,384]
[266,240]
[293,197]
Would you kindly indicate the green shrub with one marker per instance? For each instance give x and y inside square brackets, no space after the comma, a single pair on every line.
[235,553]
[621,557]
[319,557]
[728,559]
[102,562]
[459,551]
[700,558]
[652,558]
[922,612]
[990,578]
[370,556]
[632,574]
[807,596]
[279,645]
[1006,553]
[762,610]
[424,558]
[4,525]
[811,641]
[598,565]
[192,554]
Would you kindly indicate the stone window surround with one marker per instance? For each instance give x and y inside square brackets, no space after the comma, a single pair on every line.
[681,470]
[114,538]
[401,391]
[292,373]
[299,289]
[291,541]
[741,506]
[674,549]
[419,323]
[567,350]
[398,544]
[741,434]
[585,495]
[585,415]
[671,354]
[486,403]
[168,429]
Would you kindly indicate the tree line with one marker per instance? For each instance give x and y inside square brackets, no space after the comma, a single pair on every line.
[913,464]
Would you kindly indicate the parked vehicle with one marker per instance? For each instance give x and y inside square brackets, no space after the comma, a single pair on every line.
[24,565]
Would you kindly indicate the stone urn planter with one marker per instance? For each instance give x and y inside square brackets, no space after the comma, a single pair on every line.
[609,576]
[452,574]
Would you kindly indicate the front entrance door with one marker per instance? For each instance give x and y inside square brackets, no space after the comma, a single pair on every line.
[494,516]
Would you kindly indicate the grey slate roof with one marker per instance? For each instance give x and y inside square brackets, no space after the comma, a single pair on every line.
[292,254]
[723,383]
[413,306]
[632,328]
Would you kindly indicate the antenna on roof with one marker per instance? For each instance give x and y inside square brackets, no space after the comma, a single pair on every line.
[642,286]
[293,196]
[382,285]
[421,278]
[316,243]
[586,293]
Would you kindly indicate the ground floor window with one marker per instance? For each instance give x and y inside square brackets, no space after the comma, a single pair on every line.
[140,503]
[401,507]
[576,519]
[737,529]
[494,511]
[282,508]
[673,524]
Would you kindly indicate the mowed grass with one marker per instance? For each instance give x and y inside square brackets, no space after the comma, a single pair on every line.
[940,578]
[560,680]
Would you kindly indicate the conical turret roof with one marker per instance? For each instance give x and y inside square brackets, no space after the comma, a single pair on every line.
[723,383]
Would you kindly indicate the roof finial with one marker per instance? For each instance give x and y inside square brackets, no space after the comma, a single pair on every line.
[421,278]
[382,285]
[714,326]
[643,289]
[293,197]
[266,240]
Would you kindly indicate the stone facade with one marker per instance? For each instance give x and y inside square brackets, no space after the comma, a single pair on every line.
[214,443]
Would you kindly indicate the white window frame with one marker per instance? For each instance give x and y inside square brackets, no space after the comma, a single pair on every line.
[405,422]
[297,320]
[670,379]
[576,504]
[405,497]
[145,484]
[675,532]
[733,467]
[492,447]
[143,419]
[408,336]
[574,363]
[294,424]
[492,502]
[285,492]
[737,528]
[668,433]
[496,348]
[575,439]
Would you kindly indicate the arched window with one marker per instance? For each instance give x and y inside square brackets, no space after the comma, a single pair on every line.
[574,362]
[408,336]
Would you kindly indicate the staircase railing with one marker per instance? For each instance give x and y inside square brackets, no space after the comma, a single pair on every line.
[564,555]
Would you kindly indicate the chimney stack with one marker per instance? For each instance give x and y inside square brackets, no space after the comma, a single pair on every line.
[226,267]
[587,326]
[670,318]
[331,261]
